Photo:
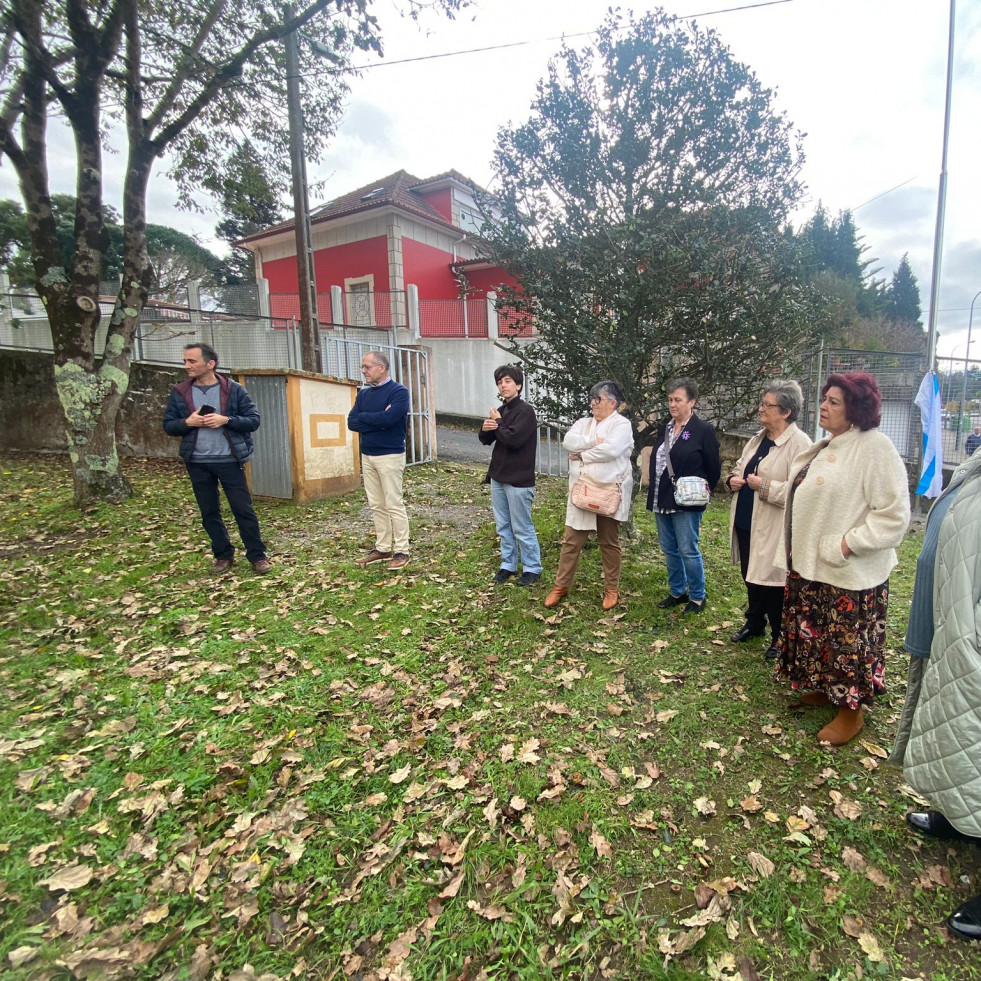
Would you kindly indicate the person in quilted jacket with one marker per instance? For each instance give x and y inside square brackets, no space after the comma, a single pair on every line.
[940,728]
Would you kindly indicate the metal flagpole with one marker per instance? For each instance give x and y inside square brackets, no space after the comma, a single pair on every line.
[938,236]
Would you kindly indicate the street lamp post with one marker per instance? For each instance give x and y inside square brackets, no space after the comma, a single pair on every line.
[967,354]
[306,275]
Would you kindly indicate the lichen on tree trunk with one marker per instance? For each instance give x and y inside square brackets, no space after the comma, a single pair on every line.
[91,401]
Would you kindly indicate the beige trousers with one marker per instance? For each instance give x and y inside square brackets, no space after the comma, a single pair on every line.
[608,536]
[383,487]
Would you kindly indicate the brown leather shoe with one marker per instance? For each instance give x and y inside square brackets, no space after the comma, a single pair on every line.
[262,566]
[610,599]
[373,556]
[221,565]
[555,596]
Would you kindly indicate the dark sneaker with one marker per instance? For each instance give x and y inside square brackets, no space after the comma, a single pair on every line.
[373,556]
[503,575]
[529,578]
[221,565]
[262,566]
[692,607]
[666,604]
[399,561]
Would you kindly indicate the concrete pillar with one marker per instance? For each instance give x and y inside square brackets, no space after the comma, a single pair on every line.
[194,301]
[265,304]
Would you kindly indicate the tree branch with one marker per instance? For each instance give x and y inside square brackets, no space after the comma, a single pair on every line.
[228,72]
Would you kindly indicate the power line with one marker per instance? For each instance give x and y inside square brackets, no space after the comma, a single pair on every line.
[883,194]
[520,44]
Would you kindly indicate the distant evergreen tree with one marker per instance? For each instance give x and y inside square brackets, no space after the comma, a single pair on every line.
[903,295]
[860,309]
[249,201]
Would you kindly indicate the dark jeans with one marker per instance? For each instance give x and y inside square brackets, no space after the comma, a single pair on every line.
[205,478]
[765,602]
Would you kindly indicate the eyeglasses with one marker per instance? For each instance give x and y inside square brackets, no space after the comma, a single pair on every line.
[769,405]
[600,398]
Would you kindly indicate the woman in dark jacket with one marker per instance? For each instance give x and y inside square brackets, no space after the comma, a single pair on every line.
[694,450]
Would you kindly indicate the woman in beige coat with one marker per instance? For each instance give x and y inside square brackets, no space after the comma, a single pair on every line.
[758,484]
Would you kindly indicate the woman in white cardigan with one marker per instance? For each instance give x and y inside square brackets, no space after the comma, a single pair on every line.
[758,484]
[847,512]
[599,447]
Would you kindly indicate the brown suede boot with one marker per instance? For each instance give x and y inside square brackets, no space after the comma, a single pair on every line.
[814,699]
[610,599]
[555,596]
[845,726]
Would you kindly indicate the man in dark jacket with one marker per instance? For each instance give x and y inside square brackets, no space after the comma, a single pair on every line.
[215,419]
[513,432]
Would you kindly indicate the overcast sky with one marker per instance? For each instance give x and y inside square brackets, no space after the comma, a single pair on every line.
[863,79]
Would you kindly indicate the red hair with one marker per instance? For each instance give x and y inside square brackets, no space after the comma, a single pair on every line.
[863,400]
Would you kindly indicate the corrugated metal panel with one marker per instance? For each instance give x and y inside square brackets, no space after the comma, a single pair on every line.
[271,462]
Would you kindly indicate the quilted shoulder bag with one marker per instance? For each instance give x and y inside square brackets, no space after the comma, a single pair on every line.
[688,491]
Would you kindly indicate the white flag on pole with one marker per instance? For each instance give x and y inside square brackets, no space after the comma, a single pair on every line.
[931,411]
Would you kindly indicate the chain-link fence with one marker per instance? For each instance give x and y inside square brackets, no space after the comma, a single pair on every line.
[898,376]
[453,318]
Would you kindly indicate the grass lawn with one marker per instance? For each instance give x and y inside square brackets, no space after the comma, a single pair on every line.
[335,772]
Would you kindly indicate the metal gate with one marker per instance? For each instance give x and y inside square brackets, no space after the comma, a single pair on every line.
[409,366]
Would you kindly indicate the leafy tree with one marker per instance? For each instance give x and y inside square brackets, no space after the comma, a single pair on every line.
[250,204]
[176,258]
[640,208]
[183,80]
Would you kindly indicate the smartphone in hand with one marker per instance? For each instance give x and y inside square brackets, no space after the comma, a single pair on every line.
[206,410]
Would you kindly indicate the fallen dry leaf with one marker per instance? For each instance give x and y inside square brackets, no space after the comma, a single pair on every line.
[600,844]
[870,945]
[704,806]
[760,864]
[398,776]
[68,878]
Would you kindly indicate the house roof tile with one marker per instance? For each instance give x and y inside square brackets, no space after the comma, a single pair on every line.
[395,190]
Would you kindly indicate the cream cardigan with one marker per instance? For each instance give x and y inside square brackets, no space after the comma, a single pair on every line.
[607,462]
[857,488]
[765,567]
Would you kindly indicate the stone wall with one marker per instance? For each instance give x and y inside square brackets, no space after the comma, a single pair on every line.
[31,416]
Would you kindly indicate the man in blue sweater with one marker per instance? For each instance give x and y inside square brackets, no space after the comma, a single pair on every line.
[379,416]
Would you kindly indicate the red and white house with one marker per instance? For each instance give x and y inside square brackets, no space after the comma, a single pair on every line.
[393,250]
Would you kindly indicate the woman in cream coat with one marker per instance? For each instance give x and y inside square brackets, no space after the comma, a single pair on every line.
[758,484]
[846,513]
[600,447]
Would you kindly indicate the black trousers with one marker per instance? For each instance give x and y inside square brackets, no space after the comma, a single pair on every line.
[765,602]
[205,478]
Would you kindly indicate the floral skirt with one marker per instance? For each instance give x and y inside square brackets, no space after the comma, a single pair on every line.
[833,640]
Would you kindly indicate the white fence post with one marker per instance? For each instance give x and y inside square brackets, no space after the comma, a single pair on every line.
[412,311]
[492,330]
[337,304]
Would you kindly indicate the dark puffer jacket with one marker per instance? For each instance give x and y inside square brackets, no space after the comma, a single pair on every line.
[234,402]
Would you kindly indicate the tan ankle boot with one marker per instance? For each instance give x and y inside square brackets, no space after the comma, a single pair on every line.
[555,596]
[610,599]
[814,699]
[845,726]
